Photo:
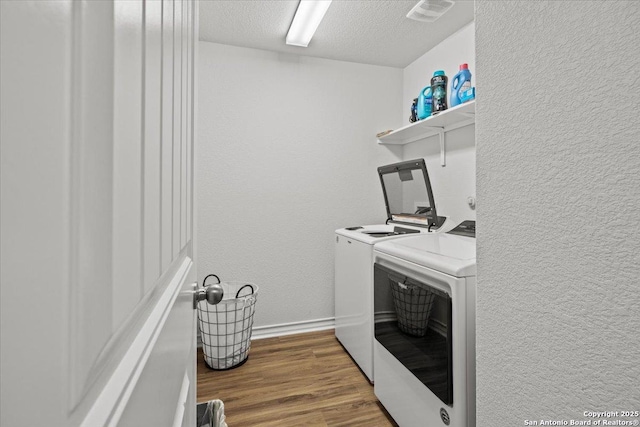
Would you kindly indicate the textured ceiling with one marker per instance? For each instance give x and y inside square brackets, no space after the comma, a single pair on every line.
[365,31]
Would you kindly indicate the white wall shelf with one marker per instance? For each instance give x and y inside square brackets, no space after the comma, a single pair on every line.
[453,118]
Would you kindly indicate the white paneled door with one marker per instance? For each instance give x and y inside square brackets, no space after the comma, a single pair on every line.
[97,128]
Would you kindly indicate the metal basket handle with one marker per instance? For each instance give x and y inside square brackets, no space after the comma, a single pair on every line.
[204,282]
[240,290]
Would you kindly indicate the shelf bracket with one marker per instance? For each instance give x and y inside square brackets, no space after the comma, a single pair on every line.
[443,162]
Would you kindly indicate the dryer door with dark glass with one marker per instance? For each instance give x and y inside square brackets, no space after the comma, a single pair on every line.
[413,322]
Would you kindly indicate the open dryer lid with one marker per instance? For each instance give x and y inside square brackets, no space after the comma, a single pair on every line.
[407,194]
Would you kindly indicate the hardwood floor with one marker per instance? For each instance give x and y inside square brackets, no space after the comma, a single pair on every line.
[306,379]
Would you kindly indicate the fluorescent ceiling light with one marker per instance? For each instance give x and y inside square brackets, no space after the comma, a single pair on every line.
[306,20]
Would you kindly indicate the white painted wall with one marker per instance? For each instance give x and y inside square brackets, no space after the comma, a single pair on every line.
[287,154]
[455,182]
[558,310]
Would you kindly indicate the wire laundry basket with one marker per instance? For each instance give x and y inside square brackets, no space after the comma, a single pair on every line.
[413,306]
[226,327]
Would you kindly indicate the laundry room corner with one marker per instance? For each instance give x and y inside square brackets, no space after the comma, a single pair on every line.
[284,158]
[454,183]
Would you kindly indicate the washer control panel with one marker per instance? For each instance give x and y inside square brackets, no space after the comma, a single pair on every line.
[465,228]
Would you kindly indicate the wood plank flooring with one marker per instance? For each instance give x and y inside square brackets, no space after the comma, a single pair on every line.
[306,379]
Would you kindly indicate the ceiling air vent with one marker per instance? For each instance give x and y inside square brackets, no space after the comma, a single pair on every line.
[429,10]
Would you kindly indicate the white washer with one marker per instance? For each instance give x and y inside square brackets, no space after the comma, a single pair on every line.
[426,380]
[410,208]
[354,289]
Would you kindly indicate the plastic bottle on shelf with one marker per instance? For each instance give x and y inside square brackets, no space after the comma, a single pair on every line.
[424,103]
[460,84]
[438,92]
[414,111]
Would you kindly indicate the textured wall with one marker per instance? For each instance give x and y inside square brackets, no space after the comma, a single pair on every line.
[558,161]
[456,181]
[287,154]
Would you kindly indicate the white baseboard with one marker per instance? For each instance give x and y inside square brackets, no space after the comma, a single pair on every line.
[280,330]
[283,329]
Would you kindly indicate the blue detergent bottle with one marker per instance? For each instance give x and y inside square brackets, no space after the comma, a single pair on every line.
[424,103]
[460,83]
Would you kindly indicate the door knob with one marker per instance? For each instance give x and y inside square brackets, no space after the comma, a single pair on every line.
[212,293]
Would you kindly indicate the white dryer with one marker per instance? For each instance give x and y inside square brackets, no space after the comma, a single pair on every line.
[424,346]
[410,209]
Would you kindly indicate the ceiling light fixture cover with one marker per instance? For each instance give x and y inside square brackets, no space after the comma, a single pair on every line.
[429,10]
[306,20]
